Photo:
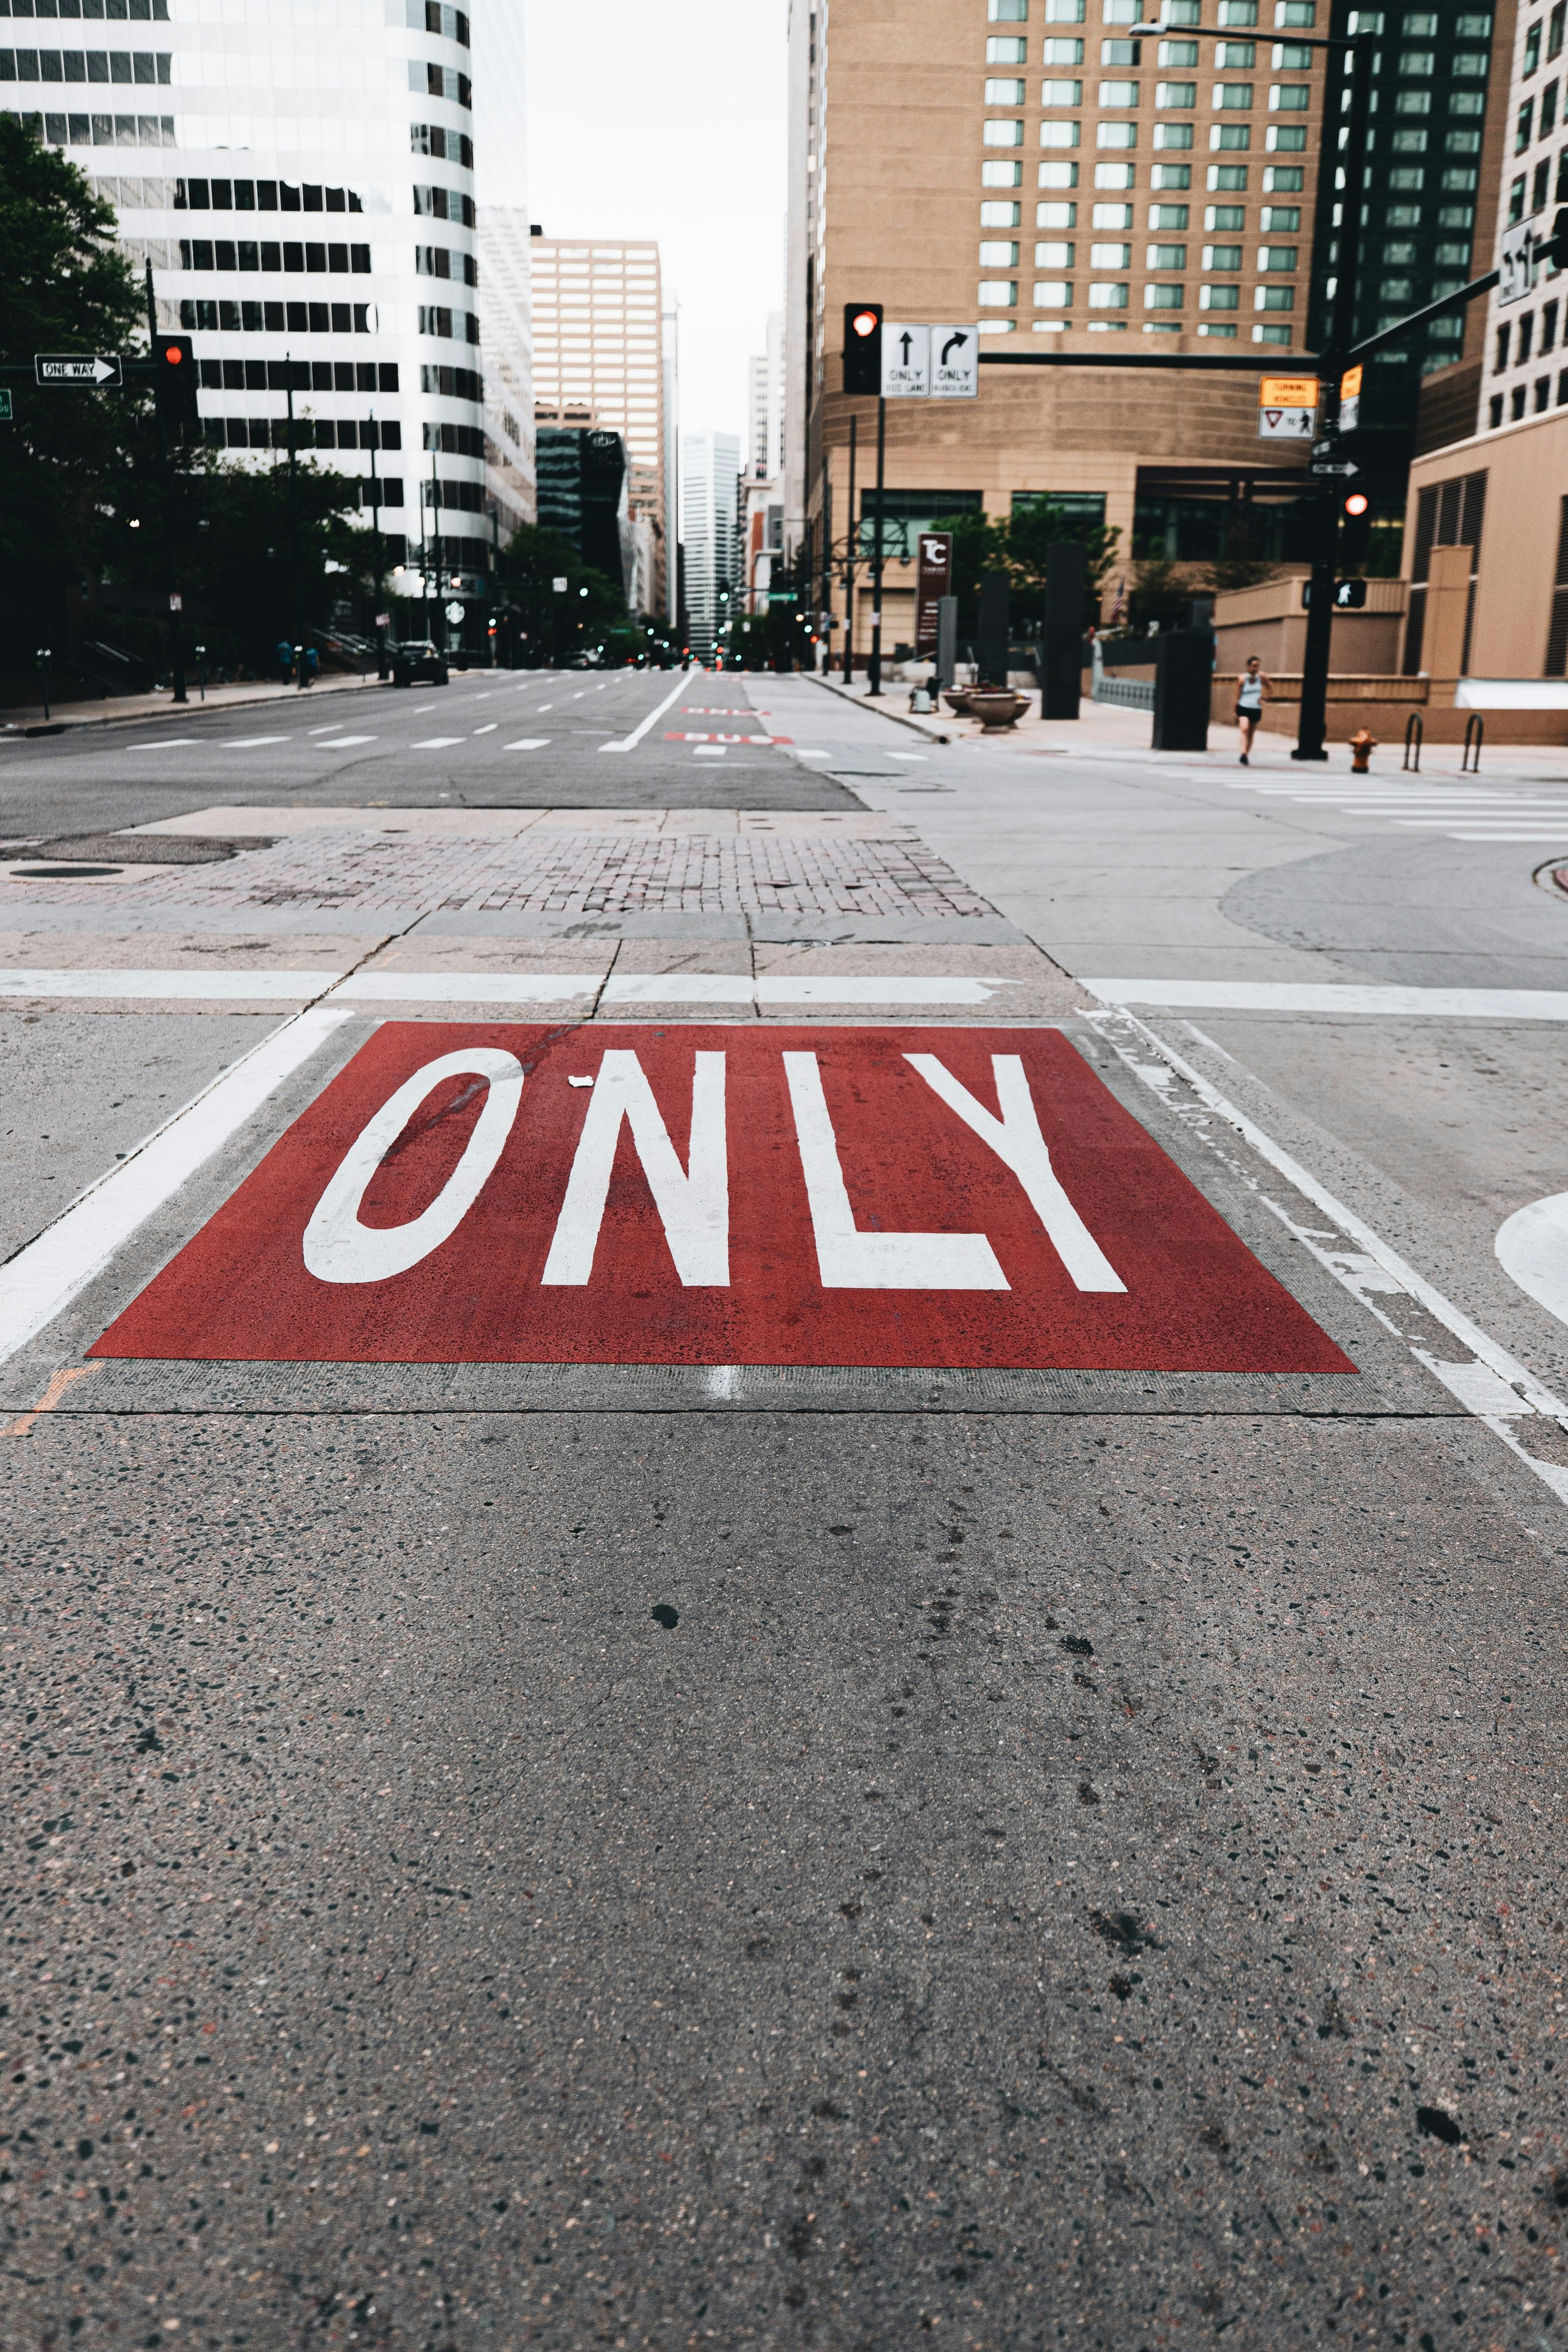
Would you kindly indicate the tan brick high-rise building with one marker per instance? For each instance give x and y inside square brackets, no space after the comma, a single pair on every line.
[1087,196]
[597,361]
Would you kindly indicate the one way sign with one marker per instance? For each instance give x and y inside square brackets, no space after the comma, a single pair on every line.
[93,370]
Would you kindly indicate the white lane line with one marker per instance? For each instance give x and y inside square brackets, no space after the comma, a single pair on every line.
[437,742]
[629,742]
[330,725]
[164,743]
[1332,996]
[249,742]
[1560,835]
[344,742]
[467,987]
[488,730]
[268,987]
[1494,1386]
[771,988]
[527,743]
[542,708]
[45,1277]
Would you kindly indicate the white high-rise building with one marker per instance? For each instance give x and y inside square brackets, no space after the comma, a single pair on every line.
[710,471]
[597,361]
[765,373]
[500,159]
[303,182]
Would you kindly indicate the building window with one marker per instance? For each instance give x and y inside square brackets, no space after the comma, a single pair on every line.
[1059,175]
[1169,216]
[1164,256]
[1053,254]
[1223,257]
[1108,297]
[1277,257]
[1064,12]
[1116,134]
[1232,97]
[1110,257]
[1178,53]
[1115,175]
[1524,126]
[1062,93]
[1500,357]
[1058,134]
[1062,53]
[1008,12]
[1004,93]
[1171,175]
[1162,297]
[1114,217]
[1175,93]
[1274,298]
[1542,394]
[1003,175]
[1289,98]
[1548,329]
[1294,15]
[1532,50]
[1053,293]
[1232,135]
[997,253]
[1494,409]
[1118,93]
[1008,50]
[1230,175]
[1173,134]
[997,293]
[1525,339]
[1005,134]
[1219,298]
[1054,216]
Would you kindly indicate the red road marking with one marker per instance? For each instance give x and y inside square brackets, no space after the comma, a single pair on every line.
[723,1194]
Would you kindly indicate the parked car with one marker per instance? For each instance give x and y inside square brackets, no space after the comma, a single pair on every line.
[415,660]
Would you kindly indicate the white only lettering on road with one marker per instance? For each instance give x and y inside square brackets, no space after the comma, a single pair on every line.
[693,1204]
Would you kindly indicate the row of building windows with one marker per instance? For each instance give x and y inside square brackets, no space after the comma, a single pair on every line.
[460,326]
[98,129]
[1526,399]
[444,146]
[260,196]
[1540,180]
[142,12]
[278,317]
[429,17]
[224,253]
[1516,344]
[1290,15]
[1052,254]
[440,261]
[310,432]
[1056,294]
[1284,179]
[445,204]
[1290,57]
[1283,218]
[453,382]
[1281,139]
[85,65]
[1552,29]
[308,376]
[440,81]
[455,440]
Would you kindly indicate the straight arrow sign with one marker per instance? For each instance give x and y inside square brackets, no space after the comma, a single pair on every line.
[93,370]
[906,359]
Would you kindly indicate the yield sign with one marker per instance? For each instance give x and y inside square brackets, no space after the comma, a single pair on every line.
[728,1194]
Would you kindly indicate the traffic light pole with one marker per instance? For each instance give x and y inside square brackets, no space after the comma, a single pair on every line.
[167,482]
[1312,723]
[874,667]
[849,544]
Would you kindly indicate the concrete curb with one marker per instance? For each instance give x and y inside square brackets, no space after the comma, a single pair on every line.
[167,710]
[899,717]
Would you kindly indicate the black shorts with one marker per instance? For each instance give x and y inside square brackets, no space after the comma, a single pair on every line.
[1248,714]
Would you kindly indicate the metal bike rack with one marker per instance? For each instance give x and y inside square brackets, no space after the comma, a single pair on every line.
[1414,735]
[1474,729]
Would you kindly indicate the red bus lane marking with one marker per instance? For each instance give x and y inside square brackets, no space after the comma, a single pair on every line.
[720,1194]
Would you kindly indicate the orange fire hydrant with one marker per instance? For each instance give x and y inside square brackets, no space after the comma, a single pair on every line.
[1363,746]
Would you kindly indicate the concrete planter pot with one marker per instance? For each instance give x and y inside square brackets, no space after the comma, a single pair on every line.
[996,708]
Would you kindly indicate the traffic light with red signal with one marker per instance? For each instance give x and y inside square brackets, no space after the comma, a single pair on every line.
[1355,531]
[174,380]
[863,347]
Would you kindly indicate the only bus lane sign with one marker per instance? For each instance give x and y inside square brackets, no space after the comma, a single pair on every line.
[720,1194]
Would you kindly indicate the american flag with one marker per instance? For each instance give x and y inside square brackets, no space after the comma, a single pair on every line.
[1119,602]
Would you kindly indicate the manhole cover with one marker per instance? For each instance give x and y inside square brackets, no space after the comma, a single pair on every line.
[62,873]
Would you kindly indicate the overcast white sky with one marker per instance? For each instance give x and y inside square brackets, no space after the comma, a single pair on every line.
[666,119]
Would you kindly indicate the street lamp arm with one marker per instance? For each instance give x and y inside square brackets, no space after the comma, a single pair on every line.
[1402,327]
[1205,33]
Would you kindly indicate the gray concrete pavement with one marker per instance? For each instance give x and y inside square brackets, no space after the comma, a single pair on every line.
[827,1850]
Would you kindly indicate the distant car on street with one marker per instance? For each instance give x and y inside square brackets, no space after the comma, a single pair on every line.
[415,660]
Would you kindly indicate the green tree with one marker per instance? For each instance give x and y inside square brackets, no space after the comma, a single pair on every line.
[1034,528]
[64,287]
[556,623]
[979,546]
[1162,591]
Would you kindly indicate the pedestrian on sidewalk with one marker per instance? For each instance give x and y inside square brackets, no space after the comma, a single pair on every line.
[312,664]
[1252,688]
[285,659]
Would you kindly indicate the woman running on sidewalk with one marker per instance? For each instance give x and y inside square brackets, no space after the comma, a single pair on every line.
[1251,687]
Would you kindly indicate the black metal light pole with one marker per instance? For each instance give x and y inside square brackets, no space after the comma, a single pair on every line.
[850,543]
[874,669]
[294,534]
[44,657]
[1312,723]
[166,480]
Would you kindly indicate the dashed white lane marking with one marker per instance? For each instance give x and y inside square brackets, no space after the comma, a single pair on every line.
[1494,1385]
[45,1277]
[268,987]
[527,743]
[249,742]
[1336,997]
[489,728]
[703,751]
[921,756]
[344,742]
[629,742]
[164,743]
[542,708]
[437,742]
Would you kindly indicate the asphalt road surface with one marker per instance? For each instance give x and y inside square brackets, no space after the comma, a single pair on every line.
[784,1528]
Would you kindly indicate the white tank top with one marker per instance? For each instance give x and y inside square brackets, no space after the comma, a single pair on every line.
[1249,693]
